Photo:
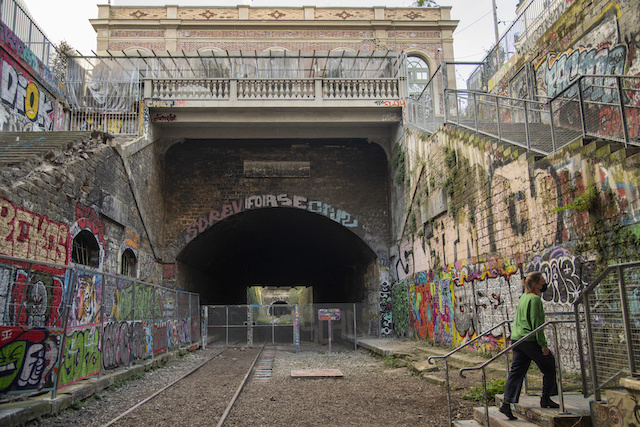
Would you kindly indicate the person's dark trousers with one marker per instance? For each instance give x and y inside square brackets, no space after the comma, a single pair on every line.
[523,354]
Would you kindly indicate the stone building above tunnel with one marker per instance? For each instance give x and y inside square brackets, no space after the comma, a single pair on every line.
[265,135]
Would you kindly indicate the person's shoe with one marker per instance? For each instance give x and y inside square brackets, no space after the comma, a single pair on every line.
[546,402]
[506,409]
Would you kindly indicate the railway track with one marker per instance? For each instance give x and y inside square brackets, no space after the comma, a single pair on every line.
[200,394]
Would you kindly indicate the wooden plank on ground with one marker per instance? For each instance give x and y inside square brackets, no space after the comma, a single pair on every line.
[317,373]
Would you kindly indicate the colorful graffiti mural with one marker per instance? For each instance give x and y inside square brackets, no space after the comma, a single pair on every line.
[28,358]
[81,355]
[125,342]
[35,301]
[25,105]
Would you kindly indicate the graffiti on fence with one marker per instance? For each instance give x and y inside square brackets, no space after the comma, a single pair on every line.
[173,333]
[27,358]
[166,304]
[87,300]
[35,301]
[125,299]
[160,337]
[81,355]
[25,234]
[125,342]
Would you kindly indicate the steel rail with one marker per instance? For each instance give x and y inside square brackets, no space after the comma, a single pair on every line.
[239,390]
[142,402]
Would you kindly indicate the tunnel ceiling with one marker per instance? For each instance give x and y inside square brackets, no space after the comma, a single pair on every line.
[278,247]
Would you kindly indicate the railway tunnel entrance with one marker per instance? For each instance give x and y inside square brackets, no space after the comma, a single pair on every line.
[277,247]
[251,261]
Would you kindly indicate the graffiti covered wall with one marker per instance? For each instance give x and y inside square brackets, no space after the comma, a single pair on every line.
[25,103]
[462,268]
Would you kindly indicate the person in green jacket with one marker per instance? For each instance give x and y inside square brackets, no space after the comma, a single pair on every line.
[529,316]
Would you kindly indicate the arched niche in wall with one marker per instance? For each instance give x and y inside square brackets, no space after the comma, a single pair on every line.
[86,250]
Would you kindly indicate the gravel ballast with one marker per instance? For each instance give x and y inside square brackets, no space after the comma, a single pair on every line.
[370,393]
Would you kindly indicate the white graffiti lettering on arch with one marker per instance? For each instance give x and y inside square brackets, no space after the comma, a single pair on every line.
[23,98]
[269,201]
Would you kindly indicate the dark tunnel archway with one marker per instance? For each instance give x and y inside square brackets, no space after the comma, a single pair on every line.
[277,247]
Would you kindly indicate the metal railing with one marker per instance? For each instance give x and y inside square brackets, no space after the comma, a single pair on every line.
[532,22]
[75,322]
[18,20]
[446,359]
[506,350]
[596,106]
[612,315]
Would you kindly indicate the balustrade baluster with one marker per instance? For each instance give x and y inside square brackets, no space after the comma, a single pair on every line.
[161,89]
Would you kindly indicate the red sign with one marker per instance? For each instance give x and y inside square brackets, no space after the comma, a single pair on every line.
[329,314]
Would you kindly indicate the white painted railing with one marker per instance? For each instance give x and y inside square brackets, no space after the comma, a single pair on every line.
[262,89]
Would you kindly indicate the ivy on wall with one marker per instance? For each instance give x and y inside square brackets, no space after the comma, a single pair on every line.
[400,304]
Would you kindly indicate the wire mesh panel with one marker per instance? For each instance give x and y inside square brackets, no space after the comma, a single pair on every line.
[32,315]
[631,101]
[605,307]
[273,323]
[227,325]
[487,114]
[81,353]
[539,126]
[343,330]
[631,277]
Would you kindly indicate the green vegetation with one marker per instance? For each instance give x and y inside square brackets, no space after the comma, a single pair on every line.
[398,162]
[493,388]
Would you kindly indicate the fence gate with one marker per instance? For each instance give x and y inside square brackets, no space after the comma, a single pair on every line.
[246,325]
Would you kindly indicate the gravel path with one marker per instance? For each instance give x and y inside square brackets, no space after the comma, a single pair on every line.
[370,393]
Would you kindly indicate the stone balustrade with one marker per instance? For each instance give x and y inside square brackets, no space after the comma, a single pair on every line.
[275,88]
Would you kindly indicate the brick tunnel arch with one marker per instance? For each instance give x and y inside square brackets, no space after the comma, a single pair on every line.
[277,247]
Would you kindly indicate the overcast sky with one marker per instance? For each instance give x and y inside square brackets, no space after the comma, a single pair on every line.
[69,19]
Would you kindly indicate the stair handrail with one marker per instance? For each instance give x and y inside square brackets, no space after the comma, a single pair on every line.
[583,299]
[507,349]
[446,357]
[577,86]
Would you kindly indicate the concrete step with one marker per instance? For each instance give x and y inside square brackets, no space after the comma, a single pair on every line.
[18,147]
[498,419]
[466,423]
[577,411]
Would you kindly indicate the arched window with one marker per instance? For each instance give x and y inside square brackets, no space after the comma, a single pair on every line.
[128,263]
[86,250]
[418,71]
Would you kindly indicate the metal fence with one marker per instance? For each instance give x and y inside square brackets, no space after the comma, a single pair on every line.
[61,324]
[597,106]
[611,306]
[283,324]
[532,22]
[18,20]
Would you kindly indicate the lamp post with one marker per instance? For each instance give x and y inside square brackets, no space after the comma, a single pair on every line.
[495,28]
